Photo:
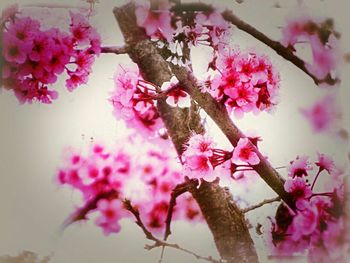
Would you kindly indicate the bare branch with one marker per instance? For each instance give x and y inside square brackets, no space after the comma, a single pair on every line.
[115,50]
[177,191]
[90,205]
[264,202]
[160,243]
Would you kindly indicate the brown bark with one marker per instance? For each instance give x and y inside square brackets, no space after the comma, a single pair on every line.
[224,218]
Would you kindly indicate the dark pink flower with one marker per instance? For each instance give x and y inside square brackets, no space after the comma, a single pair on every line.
[298,188]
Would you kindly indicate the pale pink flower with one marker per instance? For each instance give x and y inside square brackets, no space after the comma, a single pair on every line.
[324,58]
[305,222]
[155,23]
[200,144]
[198,166]
[323,115]
[325,162]
[299,167]
[244,152]
[110,214]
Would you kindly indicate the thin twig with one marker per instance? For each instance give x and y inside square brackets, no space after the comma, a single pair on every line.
[115,50]
[160,243]
[177,191]
[264,202]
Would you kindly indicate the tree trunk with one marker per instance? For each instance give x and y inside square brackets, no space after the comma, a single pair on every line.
[224,218]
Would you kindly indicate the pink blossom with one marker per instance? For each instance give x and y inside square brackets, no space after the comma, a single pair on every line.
[299,167]
[244,152]
[323,115]
[325,163]
[198,166]
[15,50]
[298,188]
[200,144]
[177,97]
[324,59]
[305,222]
[110,214]
[155,23]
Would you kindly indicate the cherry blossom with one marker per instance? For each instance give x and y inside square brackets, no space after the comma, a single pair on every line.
[244,152]
[249,83]
[321,37]
[299,167]
[132,101]
[34,58]
[325,162]
[298,188]
[111,174]
[110,214]
[176,96]
[323,115]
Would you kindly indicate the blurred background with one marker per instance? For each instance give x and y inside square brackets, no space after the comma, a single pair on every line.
[32,139]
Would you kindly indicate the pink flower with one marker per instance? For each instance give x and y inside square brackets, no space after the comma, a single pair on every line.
[323,115]
[15,50]
[75,79]
[305,221]
[198,166]
[177,97]
[200,144]
[110,214]
[244,152]
[80,28]
[155,23]
[324,58]
[299,167]
[325,163]
[298,188]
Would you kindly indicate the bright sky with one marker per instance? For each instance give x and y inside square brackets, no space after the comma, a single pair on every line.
[32,138]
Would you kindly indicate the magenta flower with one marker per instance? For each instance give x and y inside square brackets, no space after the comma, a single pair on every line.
[15,50]
[323,115]
[244,152]
[298,188]
[305,222]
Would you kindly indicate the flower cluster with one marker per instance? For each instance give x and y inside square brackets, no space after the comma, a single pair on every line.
[174,33]
[247,82]
[317,223]
[321,36]
[202,160]
[34,58]
[132,100]
[106,176]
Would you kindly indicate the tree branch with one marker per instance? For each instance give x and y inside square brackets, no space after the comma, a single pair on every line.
[160,243]
[219,115]
[115,50]
[180,189]
[264,202]
[224,218]
[281,50]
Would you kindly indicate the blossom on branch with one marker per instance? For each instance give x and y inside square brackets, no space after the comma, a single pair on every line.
[34,58]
